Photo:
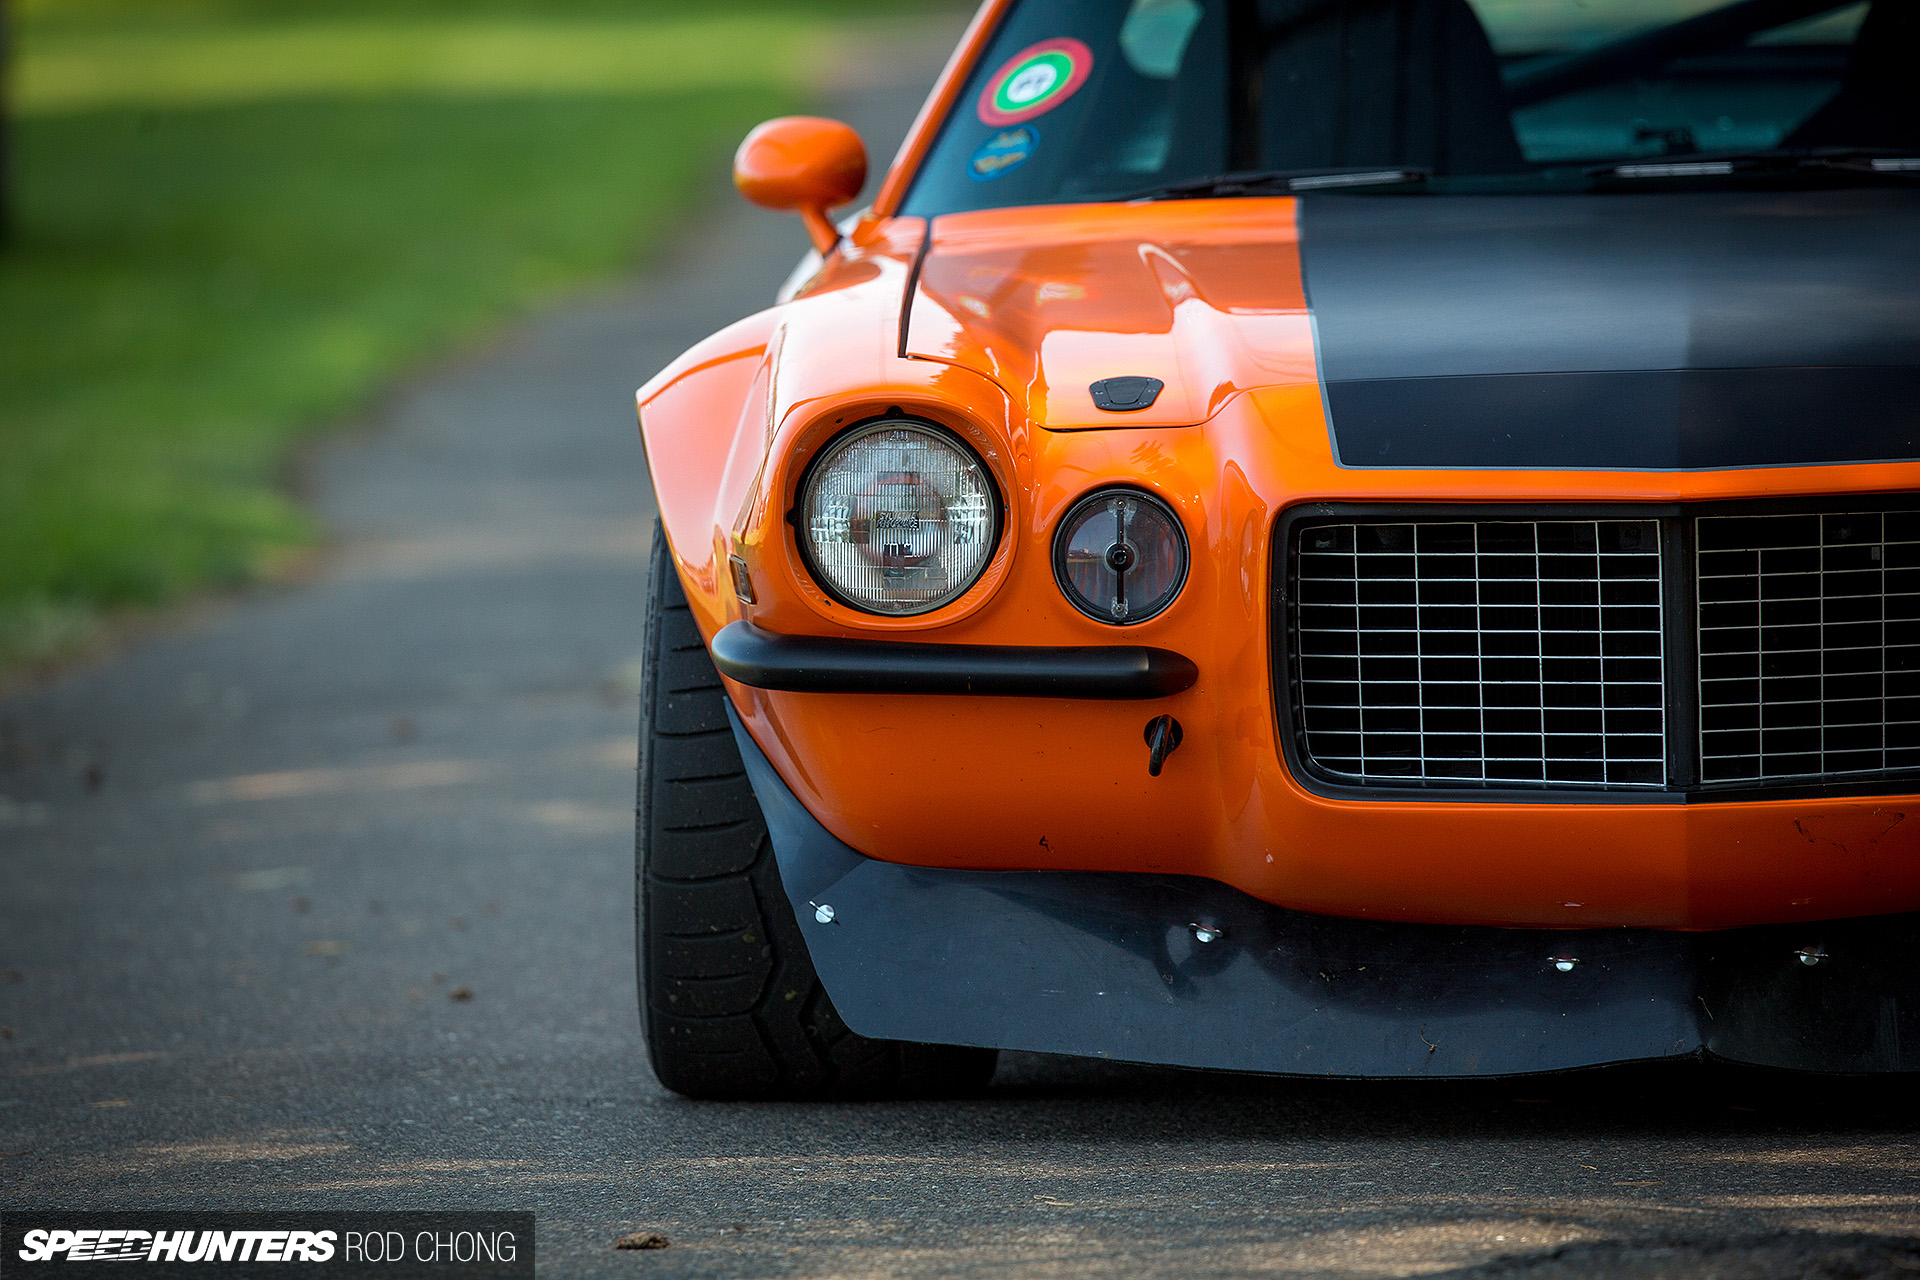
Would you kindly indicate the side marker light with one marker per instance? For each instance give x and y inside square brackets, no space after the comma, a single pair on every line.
[742,580]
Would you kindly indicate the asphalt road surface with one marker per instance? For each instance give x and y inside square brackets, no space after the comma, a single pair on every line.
[323,900]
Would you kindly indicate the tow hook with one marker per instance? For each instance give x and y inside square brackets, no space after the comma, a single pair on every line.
[1163,735]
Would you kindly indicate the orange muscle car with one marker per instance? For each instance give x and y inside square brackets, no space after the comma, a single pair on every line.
[1357,537]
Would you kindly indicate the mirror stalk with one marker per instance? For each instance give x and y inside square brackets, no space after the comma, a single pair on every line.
[820,229]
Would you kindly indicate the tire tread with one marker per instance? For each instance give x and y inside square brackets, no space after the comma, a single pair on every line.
[729,999]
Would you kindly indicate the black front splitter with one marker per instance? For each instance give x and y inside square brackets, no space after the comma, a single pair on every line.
[1112,965]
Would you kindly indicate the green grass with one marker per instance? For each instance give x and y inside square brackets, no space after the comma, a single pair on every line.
[204,64]
[237,219]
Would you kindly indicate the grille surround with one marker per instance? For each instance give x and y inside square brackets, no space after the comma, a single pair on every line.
[1683,781]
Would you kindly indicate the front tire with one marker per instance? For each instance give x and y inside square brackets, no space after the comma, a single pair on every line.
[729,1001]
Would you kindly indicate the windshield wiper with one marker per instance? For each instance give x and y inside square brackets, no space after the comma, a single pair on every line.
[1862,161]
[1280,181]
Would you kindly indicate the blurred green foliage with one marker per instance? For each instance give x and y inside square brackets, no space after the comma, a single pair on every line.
[238,218]
[41,12]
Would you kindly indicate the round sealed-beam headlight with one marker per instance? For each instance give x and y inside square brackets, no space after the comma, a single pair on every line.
[1120,556]
[898,517]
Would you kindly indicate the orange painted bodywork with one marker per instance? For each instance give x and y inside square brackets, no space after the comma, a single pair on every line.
[1007,322]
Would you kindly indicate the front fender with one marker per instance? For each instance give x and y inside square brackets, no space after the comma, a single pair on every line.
[697,416]
[724,424]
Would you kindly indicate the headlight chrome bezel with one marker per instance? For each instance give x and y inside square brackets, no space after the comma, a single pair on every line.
[834,447]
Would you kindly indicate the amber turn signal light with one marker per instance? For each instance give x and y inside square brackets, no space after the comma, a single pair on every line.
[803,163]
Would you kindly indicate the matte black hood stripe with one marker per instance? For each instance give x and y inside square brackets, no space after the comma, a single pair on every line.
[1665,420]
[1698,331]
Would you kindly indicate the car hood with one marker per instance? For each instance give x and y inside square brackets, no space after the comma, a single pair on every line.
[1641,331]
[1203,295]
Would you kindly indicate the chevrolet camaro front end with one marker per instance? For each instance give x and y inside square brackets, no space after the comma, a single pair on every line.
[1356,537]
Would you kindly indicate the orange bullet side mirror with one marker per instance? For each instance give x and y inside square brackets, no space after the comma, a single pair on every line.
[805,164]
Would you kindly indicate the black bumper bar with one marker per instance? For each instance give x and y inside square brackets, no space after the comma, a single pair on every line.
[1189,972]
[820,664]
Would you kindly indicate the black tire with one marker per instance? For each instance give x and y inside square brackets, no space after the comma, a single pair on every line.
[729,1001]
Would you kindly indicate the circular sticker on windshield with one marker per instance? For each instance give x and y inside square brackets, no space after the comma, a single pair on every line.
[1001,154]
[1035,80]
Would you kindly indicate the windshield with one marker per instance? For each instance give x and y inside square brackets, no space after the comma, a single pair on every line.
[1115,99]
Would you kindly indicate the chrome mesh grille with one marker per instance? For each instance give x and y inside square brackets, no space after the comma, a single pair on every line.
[1809,645]
[1481,652]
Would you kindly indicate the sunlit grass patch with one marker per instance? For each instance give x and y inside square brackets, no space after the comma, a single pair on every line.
[198,65]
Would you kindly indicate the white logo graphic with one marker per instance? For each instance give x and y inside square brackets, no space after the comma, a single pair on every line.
[1032,82]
